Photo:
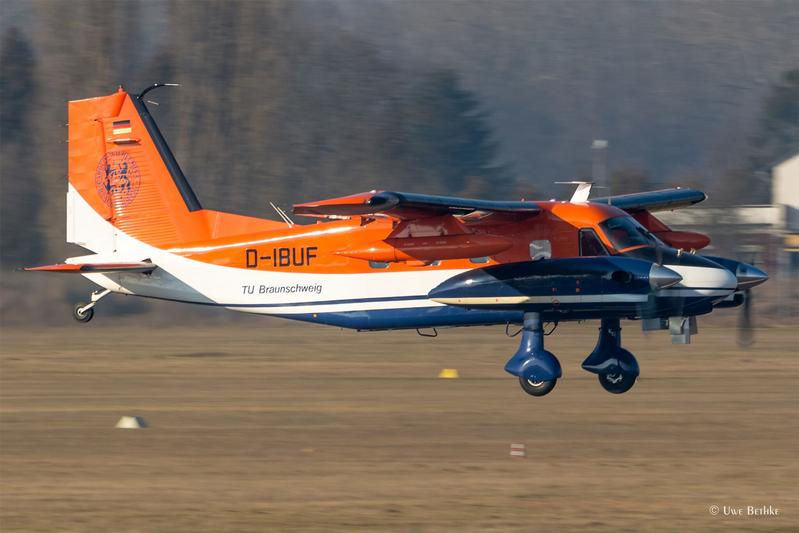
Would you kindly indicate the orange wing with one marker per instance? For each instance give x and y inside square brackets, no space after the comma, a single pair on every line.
[430,227]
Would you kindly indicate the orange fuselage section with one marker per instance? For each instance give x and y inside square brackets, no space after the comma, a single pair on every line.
[362,245]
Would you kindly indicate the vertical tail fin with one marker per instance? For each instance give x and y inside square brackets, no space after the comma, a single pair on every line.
[121,169]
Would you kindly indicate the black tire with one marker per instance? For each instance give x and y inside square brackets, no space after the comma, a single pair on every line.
[537,388]
[617,383]
[82,317]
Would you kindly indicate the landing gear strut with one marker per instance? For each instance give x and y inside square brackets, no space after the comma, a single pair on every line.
[83,312]
[615,367]
[537,369]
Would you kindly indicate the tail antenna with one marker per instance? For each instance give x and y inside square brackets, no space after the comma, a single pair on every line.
[156,86]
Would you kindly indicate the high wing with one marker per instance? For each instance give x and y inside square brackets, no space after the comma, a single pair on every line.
[641,205]
[408,206]
[663,200]
[95,268]
[430,228]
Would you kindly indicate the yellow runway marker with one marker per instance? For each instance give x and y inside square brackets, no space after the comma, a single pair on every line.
[448,373]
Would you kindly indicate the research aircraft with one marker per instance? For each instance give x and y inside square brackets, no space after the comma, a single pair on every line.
[383,260]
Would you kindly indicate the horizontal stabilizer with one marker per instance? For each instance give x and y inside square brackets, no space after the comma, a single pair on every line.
[95,268]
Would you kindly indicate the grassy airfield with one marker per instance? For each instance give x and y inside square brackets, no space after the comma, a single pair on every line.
[267,425]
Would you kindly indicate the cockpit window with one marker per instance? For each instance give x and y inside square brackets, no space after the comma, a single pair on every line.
[590,244]
[626,232]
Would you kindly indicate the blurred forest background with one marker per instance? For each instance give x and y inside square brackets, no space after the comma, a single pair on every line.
[289,101]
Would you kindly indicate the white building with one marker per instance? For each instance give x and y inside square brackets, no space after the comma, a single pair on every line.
[785,192]
[768,234]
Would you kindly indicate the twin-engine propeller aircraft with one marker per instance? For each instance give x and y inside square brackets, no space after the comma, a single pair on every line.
[388,260]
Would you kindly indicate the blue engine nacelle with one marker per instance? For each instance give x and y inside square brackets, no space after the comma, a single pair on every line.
[551,285]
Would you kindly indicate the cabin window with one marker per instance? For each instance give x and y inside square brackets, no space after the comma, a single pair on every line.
[590,245]
[540,250]
[378,264]
[625,232]
[478,259]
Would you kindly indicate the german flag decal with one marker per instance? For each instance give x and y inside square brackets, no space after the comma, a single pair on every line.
[122,126]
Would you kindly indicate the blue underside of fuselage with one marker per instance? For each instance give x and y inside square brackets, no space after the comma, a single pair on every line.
[410,318]
[450,316]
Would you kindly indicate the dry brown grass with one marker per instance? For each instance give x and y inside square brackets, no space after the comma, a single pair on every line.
[272,426]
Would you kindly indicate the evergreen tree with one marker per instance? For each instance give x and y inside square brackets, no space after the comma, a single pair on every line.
[20,194]
[451,140]
[778,137]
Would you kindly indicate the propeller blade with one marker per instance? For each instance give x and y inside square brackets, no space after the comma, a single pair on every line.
[745,334]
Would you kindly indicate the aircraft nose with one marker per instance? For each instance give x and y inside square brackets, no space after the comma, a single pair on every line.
[722,279]
[661,277]
[749,276]
[703,275]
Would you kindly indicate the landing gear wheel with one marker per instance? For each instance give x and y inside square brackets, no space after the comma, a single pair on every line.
[618,383]
[84,316]
[536,388]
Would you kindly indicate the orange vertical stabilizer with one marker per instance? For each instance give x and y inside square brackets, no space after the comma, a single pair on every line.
[121,166]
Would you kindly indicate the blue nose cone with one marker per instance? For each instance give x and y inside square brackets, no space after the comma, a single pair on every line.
[749,276]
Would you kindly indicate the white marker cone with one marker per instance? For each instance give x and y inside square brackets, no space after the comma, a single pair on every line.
[131,422]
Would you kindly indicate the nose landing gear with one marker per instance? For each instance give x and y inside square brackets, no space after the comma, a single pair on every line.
[615,367]
[537,369]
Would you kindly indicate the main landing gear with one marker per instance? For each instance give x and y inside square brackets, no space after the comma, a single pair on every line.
[615,367]
[83,311]
[539,370]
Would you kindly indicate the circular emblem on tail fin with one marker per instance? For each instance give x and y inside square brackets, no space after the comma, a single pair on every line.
[117,179]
